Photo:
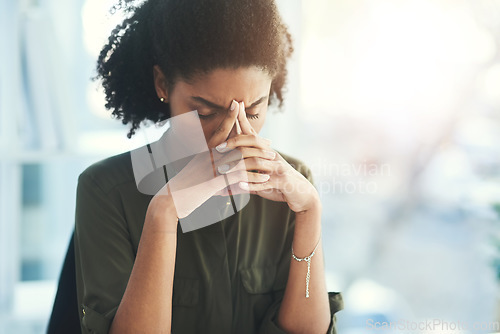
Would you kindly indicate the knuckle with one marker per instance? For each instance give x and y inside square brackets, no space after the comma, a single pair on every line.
[258,162]
[244,151]
[279,166]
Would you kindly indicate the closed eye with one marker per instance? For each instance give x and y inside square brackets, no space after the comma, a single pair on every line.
[206,116]
[249,116]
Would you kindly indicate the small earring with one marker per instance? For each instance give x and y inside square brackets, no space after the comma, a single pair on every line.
[162,99]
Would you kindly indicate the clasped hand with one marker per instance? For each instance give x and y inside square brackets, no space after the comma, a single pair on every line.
[244,161]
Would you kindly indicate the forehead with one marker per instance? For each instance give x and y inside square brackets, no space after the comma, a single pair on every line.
[223,85]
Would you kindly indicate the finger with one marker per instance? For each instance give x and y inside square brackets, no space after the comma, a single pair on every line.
[255,187]
[257,164]
[246,127]
[244,153]
[230,166]
[252,140]
[245,176]
[222,132]
[237,189]
[237,124]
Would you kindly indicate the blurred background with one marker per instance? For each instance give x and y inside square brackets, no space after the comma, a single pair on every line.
[394,104]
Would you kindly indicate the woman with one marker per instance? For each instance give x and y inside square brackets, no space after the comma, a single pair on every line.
[137,272]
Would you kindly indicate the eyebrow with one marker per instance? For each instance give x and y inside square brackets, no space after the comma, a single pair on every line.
[216,106]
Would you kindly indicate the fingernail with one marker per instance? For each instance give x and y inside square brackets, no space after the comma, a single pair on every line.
[266,177]
[244,186]
[221,147]
[271,154]
[223,168]
[233,105]
[243,105]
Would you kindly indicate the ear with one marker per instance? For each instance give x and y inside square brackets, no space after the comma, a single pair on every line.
[160,82]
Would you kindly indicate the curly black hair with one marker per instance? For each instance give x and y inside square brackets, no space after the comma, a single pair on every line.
[185,38]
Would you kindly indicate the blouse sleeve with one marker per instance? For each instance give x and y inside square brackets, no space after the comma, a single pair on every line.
[103,255]
[270,323]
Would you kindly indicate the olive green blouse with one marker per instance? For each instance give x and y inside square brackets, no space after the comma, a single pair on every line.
[229,277]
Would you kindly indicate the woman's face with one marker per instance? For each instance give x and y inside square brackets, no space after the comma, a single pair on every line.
[211,95]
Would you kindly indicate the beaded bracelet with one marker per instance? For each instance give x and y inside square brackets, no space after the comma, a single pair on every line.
[308,260]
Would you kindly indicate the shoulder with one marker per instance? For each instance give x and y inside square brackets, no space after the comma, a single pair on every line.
[110,172]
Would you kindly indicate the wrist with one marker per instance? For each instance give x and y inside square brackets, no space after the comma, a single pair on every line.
[308,223]
[314,206]
[161,214]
